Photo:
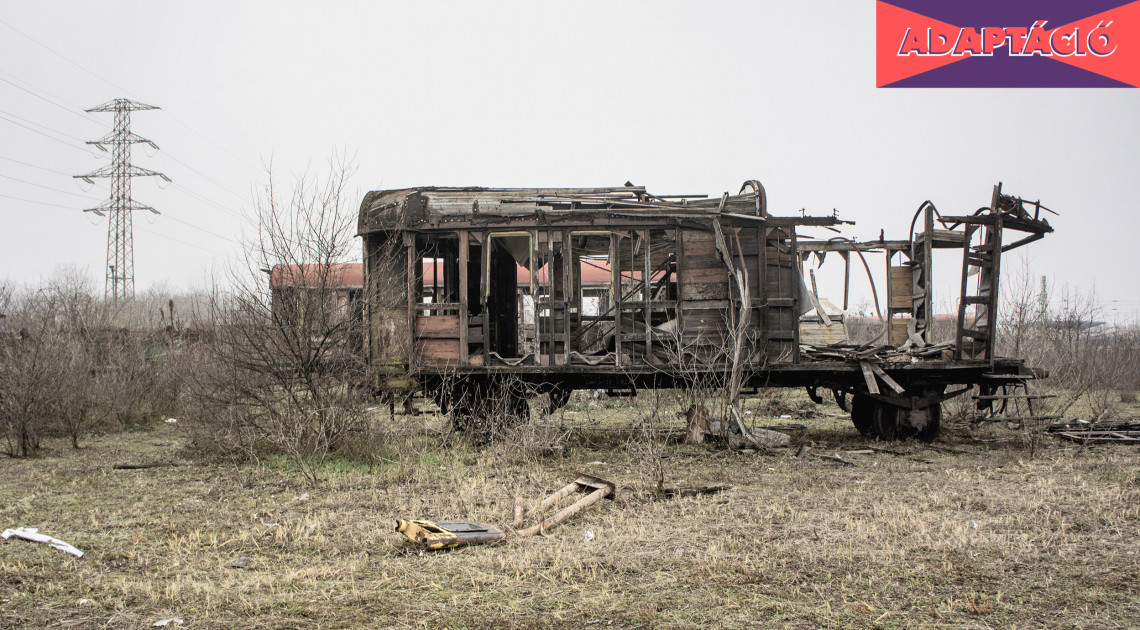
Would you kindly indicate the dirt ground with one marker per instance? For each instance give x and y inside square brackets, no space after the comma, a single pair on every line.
[986,528]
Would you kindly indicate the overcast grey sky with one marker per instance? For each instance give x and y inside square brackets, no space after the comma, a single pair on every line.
[682,97]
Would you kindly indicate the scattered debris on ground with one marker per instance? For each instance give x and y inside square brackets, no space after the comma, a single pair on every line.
[32,534]
[879,353]
[139,466]
[835,458]
[701,430]
[690,491]
[450,534]
[1125,431]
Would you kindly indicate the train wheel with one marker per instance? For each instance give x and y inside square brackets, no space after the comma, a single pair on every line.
[929,432]
[558,398]
[484,409]
[841,400]
[886,420]
[862,413]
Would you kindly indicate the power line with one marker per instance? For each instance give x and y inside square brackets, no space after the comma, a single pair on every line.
[204,176]
[42,168]
[200,229]
[119,87]
[52,129]
[206,200]
[63,142]
[188,244]
[52,51]
[42,203]
[59,190]
[200,173]
[66,108]
[207,139]
[168,216]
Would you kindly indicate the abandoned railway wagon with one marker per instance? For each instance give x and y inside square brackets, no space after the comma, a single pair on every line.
[480,294]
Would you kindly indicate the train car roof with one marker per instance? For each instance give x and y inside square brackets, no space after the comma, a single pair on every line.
[432,207]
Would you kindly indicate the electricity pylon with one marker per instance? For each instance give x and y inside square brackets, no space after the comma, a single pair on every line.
[120,235]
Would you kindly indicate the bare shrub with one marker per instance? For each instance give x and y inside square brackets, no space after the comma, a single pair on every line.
[284,369]
[649,441]
[1092,365]
[67,364]
[25,373]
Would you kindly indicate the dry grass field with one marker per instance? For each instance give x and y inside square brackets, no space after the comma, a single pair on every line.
[975,531]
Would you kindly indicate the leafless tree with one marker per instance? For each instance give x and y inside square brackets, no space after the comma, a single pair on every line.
[1088,358]
[285,368]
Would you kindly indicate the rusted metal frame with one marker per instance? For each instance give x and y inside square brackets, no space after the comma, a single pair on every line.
[1021,225]
[464,254]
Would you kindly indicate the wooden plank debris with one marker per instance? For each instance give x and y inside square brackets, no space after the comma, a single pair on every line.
[1125,431]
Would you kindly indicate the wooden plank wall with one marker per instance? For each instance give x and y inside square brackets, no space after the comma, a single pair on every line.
[704,291]
[437,339]
[781,316]
[385,302]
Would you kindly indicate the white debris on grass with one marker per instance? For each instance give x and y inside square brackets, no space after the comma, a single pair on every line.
[32,534]
[166,622]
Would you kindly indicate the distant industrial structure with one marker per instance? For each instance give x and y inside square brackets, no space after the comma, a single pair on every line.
[120,236]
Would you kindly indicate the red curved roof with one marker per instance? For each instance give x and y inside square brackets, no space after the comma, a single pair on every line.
[593,272]
[340,275]
[351,275]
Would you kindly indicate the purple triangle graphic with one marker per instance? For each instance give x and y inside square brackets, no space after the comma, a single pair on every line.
[1008,72]
[981,13]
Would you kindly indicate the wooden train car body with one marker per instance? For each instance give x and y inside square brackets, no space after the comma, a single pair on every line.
[467,285]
